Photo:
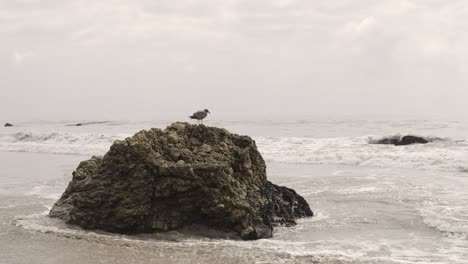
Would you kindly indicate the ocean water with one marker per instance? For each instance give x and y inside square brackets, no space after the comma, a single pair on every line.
[373,203]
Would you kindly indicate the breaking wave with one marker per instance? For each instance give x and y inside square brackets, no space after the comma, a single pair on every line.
[58,143]
[442,154]
[449,220]
[89,123]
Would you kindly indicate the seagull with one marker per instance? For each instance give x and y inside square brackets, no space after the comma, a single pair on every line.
[200,115]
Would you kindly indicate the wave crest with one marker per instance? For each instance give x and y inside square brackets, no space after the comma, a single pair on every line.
[442,154]
[58,143]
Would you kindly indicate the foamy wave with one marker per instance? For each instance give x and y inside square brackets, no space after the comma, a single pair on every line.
[451,220]
[43,224]
[274,250]
[58,143]
[440,154]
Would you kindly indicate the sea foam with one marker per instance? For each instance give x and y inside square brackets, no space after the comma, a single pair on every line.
[441,154]
[59,143]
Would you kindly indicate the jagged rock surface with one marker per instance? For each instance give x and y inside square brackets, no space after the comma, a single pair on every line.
[184,175]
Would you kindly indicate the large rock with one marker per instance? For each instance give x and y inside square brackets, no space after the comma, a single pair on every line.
[8,125]
[401,141]
[187,174]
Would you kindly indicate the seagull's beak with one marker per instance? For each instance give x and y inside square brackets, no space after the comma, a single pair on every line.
[208,111]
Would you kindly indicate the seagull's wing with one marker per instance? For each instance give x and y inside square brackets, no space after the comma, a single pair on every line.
[200,114]
[197,115]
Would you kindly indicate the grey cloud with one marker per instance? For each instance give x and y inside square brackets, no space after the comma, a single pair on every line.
[156,59]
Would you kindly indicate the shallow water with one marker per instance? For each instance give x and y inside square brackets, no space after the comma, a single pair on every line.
[364,214]
[340,142]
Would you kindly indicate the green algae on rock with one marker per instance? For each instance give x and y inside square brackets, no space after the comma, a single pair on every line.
[160,180]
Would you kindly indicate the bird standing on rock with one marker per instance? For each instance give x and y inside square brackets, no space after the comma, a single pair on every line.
[200,115]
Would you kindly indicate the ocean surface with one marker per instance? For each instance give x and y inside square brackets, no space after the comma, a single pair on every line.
[372,203]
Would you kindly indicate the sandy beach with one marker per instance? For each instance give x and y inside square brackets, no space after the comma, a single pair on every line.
[363,215]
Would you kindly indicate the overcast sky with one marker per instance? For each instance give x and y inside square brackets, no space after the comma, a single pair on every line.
[150,59]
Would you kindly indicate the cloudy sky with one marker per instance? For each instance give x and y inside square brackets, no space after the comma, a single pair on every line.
[150,59]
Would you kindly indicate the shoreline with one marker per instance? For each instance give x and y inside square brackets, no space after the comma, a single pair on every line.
[363,215]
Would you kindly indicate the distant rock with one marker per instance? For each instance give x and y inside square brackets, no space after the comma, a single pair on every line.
[408,140]
[89,123]
[184,175]
[401,141]
[8,125]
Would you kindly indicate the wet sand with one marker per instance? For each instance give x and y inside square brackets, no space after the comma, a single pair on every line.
[369,215]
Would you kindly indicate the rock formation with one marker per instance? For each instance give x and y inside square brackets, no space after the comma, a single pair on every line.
[187,174]
[401,141]
[8,125]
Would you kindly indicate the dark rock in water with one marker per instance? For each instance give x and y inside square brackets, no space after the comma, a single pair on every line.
[408,140]
[89,123]
[388,141]
[8,125]
[187,174]
[401,141]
